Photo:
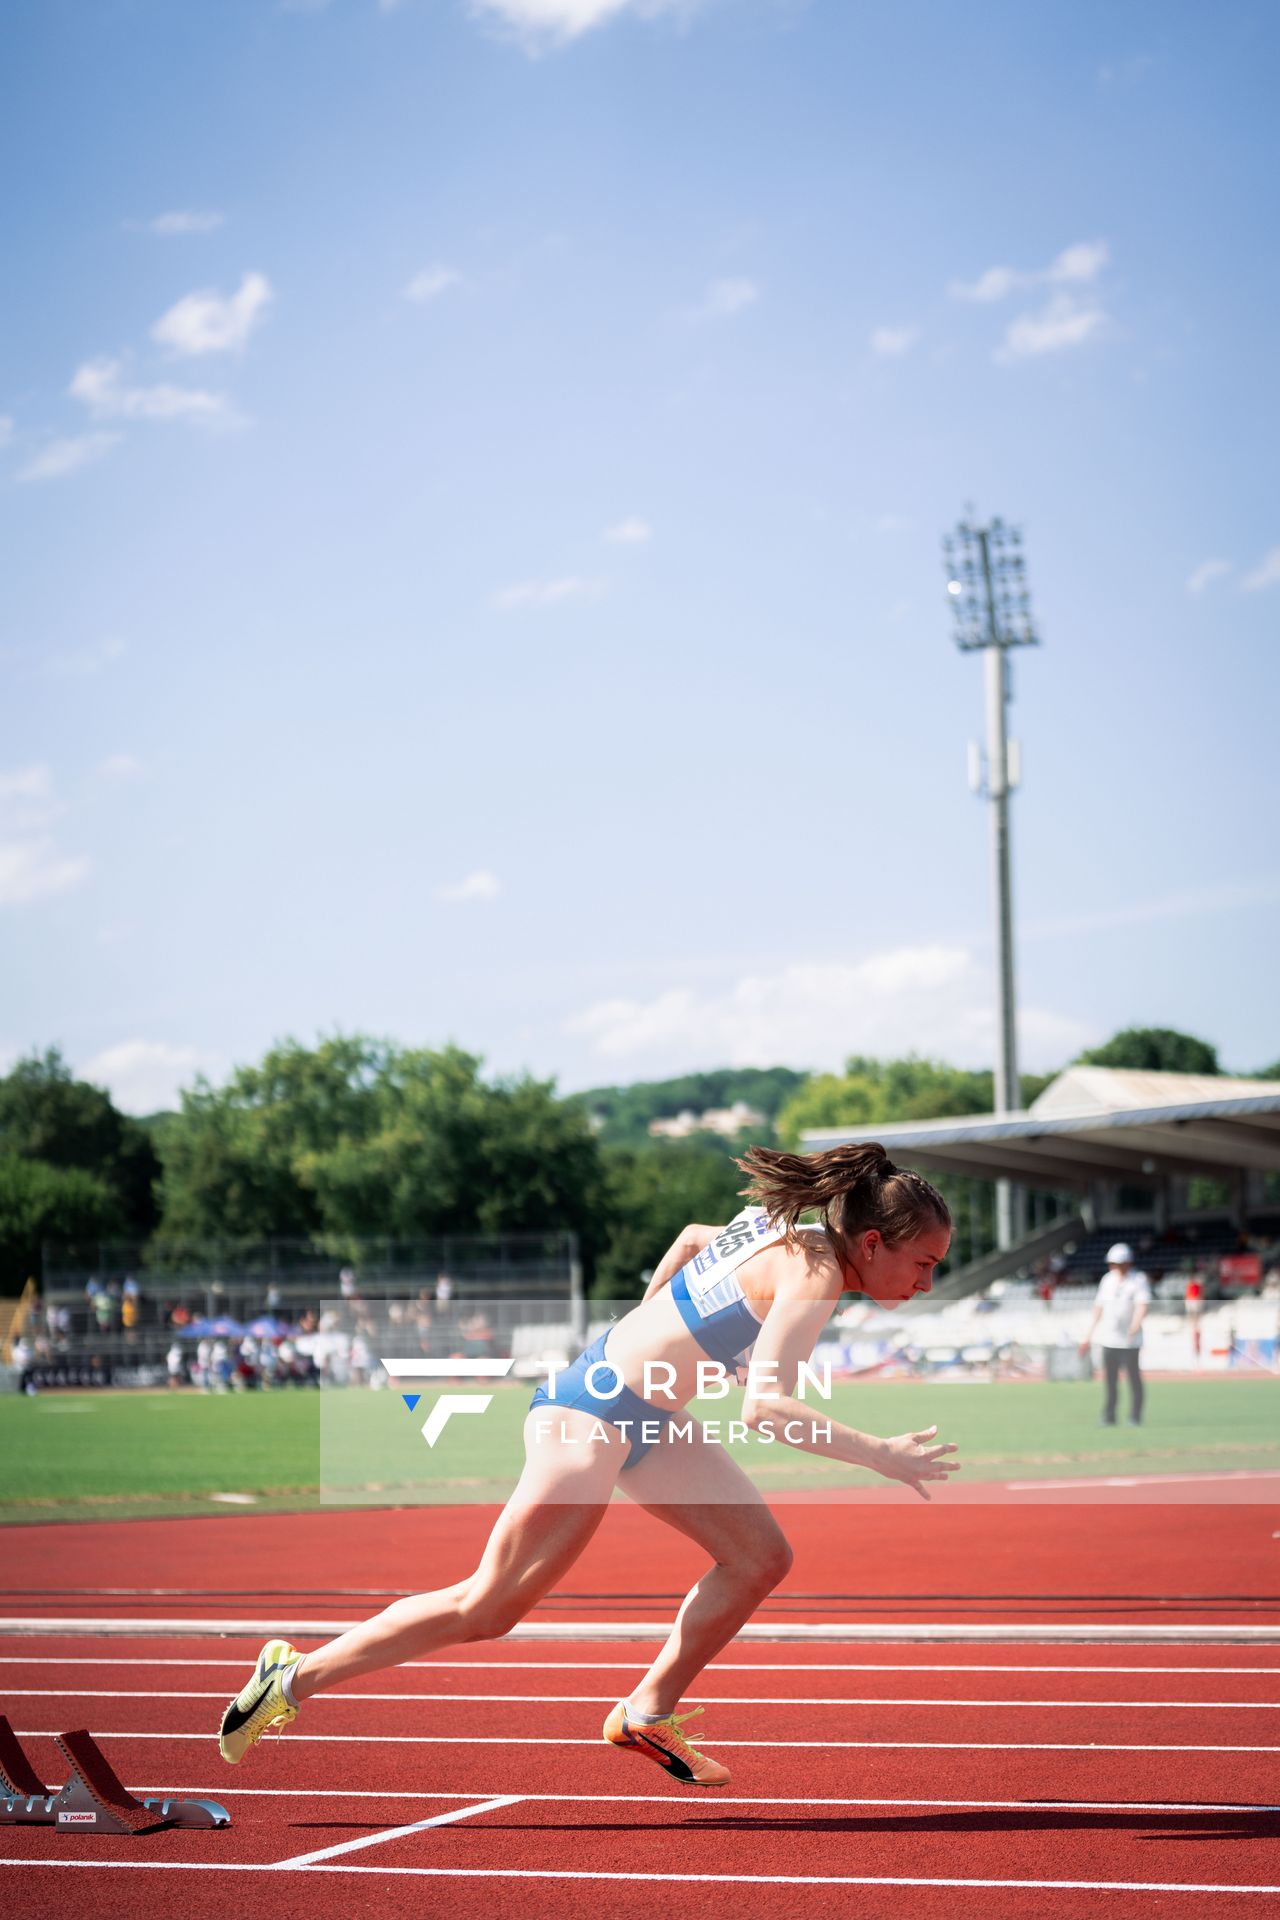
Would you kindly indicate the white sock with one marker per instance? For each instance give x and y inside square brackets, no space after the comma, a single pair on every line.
[286,1684]
[645,1719]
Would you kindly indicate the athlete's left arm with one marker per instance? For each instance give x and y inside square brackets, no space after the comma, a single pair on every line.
[804,1299]
[678,1254]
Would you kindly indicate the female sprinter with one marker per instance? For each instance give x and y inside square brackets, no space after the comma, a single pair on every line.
[763,1288]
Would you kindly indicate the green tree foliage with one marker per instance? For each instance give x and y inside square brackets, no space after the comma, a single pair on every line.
[653,1192]
[1154,1050]
[78,1169]
[872,1090]
[356,1137]
[39,1202]
[622,1114]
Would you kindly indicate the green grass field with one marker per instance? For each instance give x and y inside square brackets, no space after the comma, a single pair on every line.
[100,1456]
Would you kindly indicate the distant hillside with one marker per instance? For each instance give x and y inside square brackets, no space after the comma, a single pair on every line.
[622,1114]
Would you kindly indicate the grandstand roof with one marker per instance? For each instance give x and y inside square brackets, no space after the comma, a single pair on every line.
[1097,1123]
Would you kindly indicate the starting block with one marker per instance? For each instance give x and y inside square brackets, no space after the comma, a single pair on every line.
[93,1800]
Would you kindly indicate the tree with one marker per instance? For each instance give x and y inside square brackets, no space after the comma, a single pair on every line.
[872,1090]
[654,1191]
[357,1138]
[39,1202]
[623,1114]
[50,1117]
[1154,1050]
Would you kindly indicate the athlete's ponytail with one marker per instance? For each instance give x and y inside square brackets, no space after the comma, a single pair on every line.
[853,1189]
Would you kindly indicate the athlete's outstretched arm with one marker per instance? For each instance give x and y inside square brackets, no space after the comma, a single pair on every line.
[682,1249]
[801,1308]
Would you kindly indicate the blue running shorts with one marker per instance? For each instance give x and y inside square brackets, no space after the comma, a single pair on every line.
[612,1400]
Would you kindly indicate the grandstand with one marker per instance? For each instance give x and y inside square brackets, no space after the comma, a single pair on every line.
[1184,1166]
[110,1314]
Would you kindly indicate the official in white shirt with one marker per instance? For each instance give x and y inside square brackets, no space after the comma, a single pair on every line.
[1118,1313]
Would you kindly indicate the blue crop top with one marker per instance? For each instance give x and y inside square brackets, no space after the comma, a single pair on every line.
[708,1291]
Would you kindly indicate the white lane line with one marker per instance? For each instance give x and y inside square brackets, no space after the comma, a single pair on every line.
[643,1879]
[1087,1481]
[553,1740]
[1037,1633]
[745,1800]
[628,1666]
[396,1833]
[608,1699]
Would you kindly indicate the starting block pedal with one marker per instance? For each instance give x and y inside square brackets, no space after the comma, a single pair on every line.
[93,1800]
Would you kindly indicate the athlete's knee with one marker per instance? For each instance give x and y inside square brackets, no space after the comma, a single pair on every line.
[488,1616]
[771,1561]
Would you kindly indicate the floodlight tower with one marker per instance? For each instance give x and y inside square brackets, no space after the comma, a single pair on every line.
[986,582]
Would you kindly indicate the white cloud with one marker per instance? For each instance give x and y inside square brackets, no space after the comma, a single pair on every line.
[545,593]
[480,885]
[32,866]
[33,869]
[58,458]
[211,322]
[6,427]
[91,658]
[1082,262]
[894,341]
[997,283]
[1075,265]
[932,1000]
[1205,573]
[1064,322]
[431,282]
[26,783]
[120,766]
[725,298]
[188,221]
[556,22]
[1265,574]
[144,1076]
[100,386]
[631,532]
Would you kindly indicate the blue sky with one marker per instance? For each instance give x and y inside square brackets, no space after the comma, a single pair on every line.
[473,478]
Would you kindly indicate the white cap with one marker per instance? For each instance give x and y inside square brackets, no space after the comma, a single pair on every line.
[1120,1255]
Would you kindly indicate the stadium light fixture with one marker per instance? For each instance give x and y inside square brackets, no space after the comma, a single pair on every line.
[991,605]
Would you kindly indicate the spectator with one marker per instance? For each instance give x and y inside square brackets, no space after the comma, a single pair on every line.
[1119,1311]
[1193,1301]
[104,1310]
[348,1285]
[23,1356]
[176,1364]
[444,1289]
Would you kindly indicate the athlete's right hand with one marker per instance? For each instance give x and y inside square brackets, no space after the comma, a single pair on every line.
[914,1458]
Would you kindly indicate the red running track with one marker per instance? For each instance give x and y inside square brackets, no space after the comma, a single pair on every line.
[1117,1564]
[1141,1777]
[1078,1782]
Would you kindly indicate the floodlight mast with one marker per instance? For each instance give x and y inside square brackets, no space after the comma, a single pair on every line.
[986,581]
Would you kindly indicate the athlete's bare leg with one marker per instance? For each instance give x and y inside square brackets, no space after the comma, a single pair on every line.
[557,1505]
[701,1492]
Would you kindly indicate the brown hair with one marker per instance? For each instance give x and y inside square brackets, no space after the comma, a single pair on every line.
[853,1188]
